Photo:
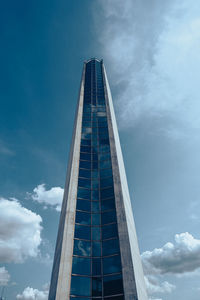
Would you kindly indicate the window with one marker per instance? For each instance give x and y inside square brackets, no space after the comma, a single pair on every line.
[80,286]
[85,164]
[111,264]
[106,182]
[95,219]
[96,287]
[96,266]
[83,218]
[95,206]
[84,193]
[108,217]
[106,164]
[96,248]
[85,156]
[82,248]
[110,247]
[96,233]
[86,183]
[85,149]
[108,204]
[112,285]
[105,173]
[95,195]
[85,142]
[107,193]
[83,205]
[82,232]
[109,231]
[81,266]
[84,173]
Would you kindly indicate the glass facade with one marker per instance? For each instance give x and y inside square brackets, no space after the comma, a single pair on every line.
[96,263]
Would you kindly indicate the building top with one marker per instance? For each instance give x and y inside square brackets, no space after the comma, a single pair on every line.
[93,58]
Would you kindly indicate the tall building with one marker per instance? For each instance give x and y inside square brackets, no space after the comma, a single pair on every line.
[97,255]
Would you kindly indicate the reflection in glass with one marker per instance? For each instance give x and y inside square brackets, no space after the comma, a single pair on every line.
[80,286]
[112,285]
[96,266]
[84,173]
[82,248]
[83,218]
[84,193]
[111,264]
[109,231]
[96,249]
[81,265]
[110,247]
[82,232]
[83,205]
[96,233]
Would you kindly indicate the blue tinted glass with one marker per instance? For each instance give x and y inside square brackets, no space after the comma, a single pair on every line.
[95,195]
[86,130]
[85,156]
[80,286]
[106,182]
[96,266]
[95,207]
[81,266]
[78,298]
[95,184]
[108,204]
[103,142]
[85,142]
[114,298]
[94,143]
[95,156]
[84,173]
[107,193]
[111,264]
[85,149]
[86,124]
[105,173]
[83,218]
[112,285]
[96,233]
[106,164]
[109,231]
[95,165]
[96,249]
[95,219]
[83,205]
[104,156]
[97,287]
[85,164]
[110,247]
[82,232]
[86,183]
[82,248]
[108,217]
[86,136]
[84,193]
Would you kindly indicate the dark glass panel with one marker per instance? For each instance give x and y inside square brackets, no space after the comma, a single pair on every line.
[94,156]
[95,206]
[108,204]
[96,266]
[95,165]
[85,164]
[85,142]
[106,164]
[111,264]
[115,298]
[108,217]
[104,148]
[86,124]
[96,249]
[80,286]
[86,130]
[95,183]
[84,193]
[81,266]
[82,248]
[103,142]
[96,286]
[107,193]
[86,149]
[106,182]
[83,205]
[110,247]
[84,173]
[94,143]
[109,231]
[95,173]
[78,298]
[83,218]
[96,233]
[82,232]
[103,131]
[105,173]
[85,156]
[95,219]
[95,195]
[112,285]
[86,183]
[86,136]
[104,156]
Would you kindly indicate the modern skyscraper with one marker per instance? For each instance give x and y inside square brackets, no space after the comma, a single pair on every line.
[97,255]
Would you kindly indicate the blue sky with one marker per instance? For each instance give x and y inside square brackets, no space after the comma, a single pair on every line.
[151,53]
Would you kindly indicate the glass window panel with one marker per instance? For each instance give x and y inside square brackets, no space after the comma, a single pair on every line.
[80,286]
[82,232]
[103,135]
[103,142]
[83,182]
[84,173]
[108,217]
[95,206]
[83,205]
[96,249]
[94,143]
[83,218]
[111,264]
[95,173]
[110,247]
[84,164]
[95,183]
[96,233]
[86,124]
[106,182]
[95,156]
[78,298]
[113,298]
[84,193]
[95,149]
[107,193]
[96,266]
[108,204]
[86,136]
[104,148]
[104,156]
[105,173]
[95,165]
[95,219]
[106,164]
[96,287]
[82,248]
[85,142]
[109,231]
[112,285]
[81,266]
[103,131]
[85,156]
[86,130]
[95,195]
[86,149]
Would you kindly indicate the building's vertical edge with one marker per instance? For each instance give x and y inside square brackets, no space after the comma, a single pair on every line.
[64,246]
[133,277]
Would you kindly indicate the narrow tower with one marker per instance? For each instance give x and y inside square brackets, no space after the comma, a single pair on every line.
[97,255]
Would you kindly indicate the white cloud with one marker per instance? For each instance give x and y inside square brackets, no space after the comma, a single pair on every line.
[31,294]
[154,286]
[52,197]
[152,49]
[181,257]
[20,232]
[4,276]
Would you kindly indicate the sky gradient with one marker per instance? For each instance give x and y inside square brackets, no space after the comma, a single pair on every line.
[151,53]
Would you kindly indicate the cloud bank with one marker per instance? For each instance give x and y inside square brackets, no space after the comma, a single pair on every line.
[4,276]
[52,197]
[31,294]
[20,232]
